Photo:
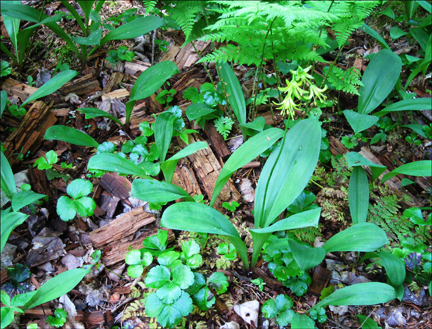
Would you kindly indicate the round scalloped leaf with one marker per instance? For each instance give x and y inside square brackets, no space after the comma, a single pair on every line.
[298,287]
[190,248]
[147,259]
[133,257]
[157,277]
[195,261]
[85,206]
[66,208]
[168,257]
[184,304]
[169,293]
[106,147]
[169,317]
[283,302]
[285,317]
[153,305]
[51,157]
[79,187]
[183,276]
[219,281]
[198,283]
[269,309]
[135,271]
[201,299]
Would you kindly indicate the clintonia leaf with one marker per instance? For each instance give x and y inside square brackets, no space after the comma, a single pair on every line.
[7,178]
[417,168]
[91,112]
[93,39]
[306,256]
[163,130]
[235,93]
[395,267]
[406,105]
[366,322]
[356,159]
[358,195]
[70,135]
[8,224]
[24,198]
[359,122]
[115,163]
[155,191]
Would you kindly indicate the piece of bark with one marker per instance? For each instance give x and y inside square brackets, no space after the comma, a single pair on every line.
[133,67]
[110,206]
[61,112]
[119,93]
[116,251]
[184,177]
[39,182]
[273,283]
[30,134]
[253,164]
[207,169]
[117,185]
[120,227]
[39,311]
[269,119]
[87,84]
[216,140]
[336,147]
[93,319]
[16,88]
[114,79]
[320,279]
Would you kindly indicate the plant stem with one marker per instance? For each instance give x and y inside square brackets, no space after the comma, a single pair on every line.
[205,67]
[331,67]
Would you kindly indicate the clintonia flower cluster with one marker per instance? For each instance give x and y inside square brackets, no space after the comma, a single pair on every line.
[294,91]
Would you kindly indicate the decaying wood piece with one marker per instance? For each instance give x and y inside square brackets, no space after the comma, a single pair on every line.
[184,177]
[30,134]
[114,79]
[16,88]
[39,182]
[321,277]
[336,147]
[117,185]
[207,168]
[81,86]
[216,140]
[116,251]
[119,93]
[121,227]
[133,67]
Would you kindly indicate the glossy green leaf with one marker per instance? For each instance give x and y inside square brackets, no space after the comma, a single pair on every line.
[86,6]
[8,224]
[171,315]
[421,37]
[302,321]
[359,122]
[157,277]
[307,257]
[378,80]
[70,135]
[12,24]
[394,266]
[7,177]
[197,217]
[407,105]
[52,85]
[115,163]
[85,206]
[369,293]
[24,198]
[91,112]
[93,39]
[396,33]
[163,130]
[79,187]
[157,242]
[56,287]
[219,281]
[153,305]
[232,87]
[358,195]
[16,10]
[7,316]
[426,5]
[356,159]
[366,322]
[183,276]
[374,34]
[66,208]
[245,154]
[136,28]
[155,191]
[199,110]
[417,168]
[3,99]
[169,293]
[202,298]
[361,237]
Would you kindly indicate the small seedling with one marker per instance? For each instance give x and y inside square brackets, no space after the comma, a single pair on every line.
[162,45]
[4,69]
[230,206]
[279,308]
[67,208]
[59,318]
[412,139]
[30,81]
[319,314]
[42,163]
[223,126]
[228,251]
[166,96]
[260,283]
[190,255]
[137,261]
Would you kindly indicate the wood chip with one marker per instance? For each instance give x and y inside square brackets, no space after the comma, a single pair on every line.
[118,186]
[119,93]
[87,84]
[216,140]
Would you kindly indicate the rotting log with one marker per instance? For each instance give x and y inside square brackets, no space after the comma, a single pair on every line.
[216,140]
[184,177]
[87,84]
[118,186]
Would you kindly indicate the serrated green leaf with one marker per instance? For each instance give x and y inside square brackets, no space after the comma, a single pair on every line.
[269,309]
[219,282]
[79,188]
[183,276]
[169,293]
[157,242]
[133,257]
[106,147]
[283,302]
[194,262]
[85,206]
[202,299]
[298,287]
[66,208]
[169,317]
[302,322]
[153,305]
[190,248]
[285,317]
[157,277]
[168,257]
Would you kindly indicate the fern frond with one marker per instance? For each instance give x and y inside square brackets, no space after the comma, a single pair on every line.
[149,5]
[345,80]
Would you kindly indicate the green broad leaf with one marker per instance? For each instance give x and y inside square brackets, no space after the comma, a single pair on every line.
[196,111]
[168,167]
[306,256]
[171,314]
[197,217]
[169,293]
[133,257]
[406,181]
[388,12]
[115,163]
[417,128]
[153,305]
[85,206]
[7,178]
[285,317]
[128,147]
[5,299]
[298,287]
[396,33]
[255,126]
[302,322]
[136,28]
[3,99]
[86,6]
[426,5]
[69,135]
[356,159]
[421,37]
[79,188]
[155,191]
[168,257]
[106,147]
[8,224]
[51,157]
[157,277]
[287,171]
[358,195]
[302,202]
[359,122]
[269,309]
[93,39]
[245,154]
[12,27]
[375,35]
[183,276]
[407,105]
[194,261]
[91,112]
[52,85]
[369,293]
[378,80]
[283,303]
[42,164]
[7,316]
[219,282]
[367,323]
[394,266]
[66,208]
[203,299]
[222,248]
[145,128]
[163,130]
[190,248]
[360,237]
[232,87]
[198,283]
[59,318]
[56,287]
[417,168]
[21,299]
[157,242]
[25,198]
